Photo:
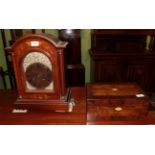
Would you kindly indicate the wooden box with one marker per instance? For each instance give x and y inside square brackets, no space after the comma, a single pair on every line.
[113,102]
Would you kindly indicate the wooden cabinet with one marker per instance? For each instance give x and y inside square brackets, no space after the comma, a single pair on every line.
[123,56]
[75,69]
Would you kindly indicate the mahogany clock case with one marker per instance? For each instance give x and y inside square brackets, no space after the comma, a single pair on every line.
[39,66]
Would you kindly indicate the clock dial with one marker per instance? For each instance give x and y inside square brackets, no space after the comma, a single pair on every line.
[38,75]
[38,71]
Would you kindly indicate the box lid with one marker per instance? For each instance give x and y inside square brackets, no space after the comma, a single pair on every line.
[99,91]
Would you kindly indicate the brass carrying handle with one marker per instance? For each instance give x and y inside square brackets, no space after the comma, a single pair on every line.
[118,108]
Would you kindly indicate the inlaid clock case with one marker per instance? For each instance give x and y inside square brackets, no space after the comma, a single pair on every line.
[39,65]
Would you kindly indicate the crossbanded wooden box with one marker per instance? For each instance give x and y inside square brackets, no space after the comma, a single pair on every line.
[116,102]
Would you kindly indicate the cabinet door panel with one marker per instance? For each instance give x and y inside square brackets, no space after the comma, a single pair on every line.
[141,73]
[108,72]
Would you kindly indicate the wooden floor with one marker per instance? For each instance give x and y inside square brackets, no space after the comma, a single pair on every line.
[79,116]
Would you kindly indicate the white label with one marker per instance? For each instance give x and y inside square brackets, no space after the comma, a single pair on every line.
[140,95]
[34,43]
[19,111]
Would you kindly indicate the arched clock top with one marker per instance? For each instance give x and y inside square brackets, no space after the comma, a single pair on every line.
[46,37]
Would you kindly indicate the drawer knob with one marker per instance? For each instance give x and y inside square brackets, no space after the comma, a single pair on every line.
[118,109]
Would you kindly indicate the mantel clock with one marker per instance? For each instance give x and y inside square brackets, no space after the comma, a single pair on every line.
[39,65]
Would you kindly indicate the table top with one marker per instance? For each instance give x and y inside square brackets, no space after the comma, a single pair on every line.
[78,116]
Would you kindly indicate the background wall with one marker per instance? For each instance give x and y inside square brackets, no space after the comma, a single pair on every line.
[85,46]
[2,56]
